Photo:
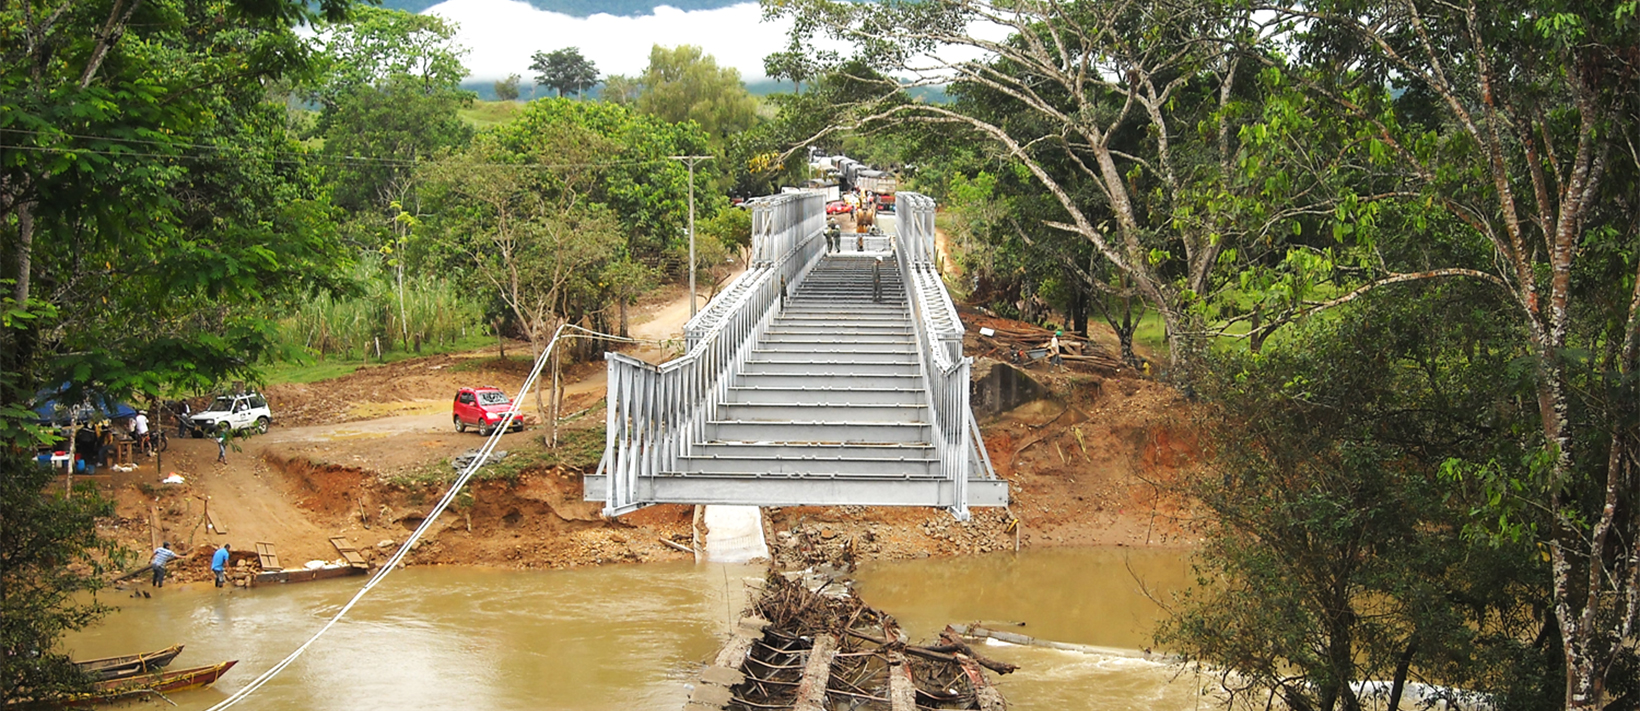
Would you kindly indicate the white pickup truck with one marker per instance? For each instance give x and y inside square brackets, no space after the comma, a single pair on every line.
[237,412]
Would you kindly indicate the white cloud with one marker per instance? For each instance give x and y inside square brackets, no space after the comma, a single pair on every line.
[502,34]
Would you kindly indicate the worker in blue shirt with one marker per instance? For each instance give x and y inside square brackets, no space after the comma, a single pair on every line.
[162,555]
[219,564]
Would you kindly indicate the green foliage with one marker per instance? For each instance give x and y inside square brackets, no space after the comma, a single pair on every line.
[507,89]
[621,89]
[376,46]
[578,450]
[52,561]
[437,312]
[532,233]
[564,70]
[645,190]
[390,97]
[684,83]
[1338,552]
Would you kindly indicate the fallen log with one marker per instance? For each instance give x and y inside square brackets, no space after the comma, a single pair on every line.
[926,653]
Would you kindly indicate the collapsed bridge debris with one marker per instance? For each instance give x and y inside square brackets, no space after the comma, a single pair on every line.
[823,648]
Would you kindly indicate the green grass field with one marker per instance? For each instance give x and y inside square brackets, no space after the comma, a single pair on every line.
[484,114]
[311,369]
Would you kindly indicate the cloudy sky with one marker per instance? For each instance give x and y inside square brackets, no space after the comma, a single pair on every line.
[501,35]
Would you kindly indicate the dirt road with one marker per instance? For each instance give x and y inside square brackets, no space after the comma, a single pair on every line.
[363,456]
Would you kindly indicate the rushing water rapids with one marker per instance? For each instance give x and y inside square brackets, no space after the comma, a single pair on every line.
[632,637]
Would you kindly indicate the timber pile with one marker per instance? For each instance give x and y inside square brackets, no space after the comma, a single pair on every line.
[826,649]
[1022,343]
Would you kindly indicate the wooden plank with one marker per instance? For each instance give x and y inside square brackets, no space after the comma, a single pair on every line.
[988,697]
[304,575]
[902,690]
[811,691]
[268,557]
[211,522]
[713,692]
[153,527]
[348,552]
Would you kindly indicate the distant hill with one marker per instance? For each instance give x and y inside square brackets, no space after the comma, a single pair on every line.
[763,87]
[585,8]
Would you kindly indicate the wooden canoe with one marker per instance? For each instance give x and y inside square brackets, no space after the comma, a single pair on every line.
[109,668]
[162,681]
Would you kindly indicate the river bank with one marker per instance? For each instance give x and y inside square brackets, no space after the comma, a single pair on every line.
[593,638]
[363,456]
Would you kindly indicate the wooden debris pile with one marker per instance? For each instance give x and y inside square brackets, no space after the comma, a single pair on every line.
[826,649]
[1023,344]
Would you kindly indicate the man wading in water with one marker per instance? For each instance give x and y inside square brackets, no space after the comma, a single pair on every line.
[162,555]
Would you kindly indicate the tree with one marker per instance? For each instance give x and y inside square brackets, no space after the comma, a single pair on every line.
[150,204]
[1513,129]
[389,97]
[798,63]
[507,89]
[51,554]
[565,70]
[626,280]
[685,84]
[646,191]
[1338,552]
[532,231]
[621,89]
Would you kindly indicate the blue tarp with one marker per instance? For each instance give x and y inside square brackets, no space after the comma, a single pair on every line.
[45,406]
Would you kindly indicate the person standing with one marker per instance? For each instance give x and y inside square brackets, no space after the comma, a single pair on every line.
[183,411]
[877,281]
[162,555]
[219,564]
[139,429]
[1053,349]
[222,444]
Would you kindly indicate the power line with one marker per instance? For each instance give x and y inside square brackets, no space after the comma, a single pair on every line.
[393,562]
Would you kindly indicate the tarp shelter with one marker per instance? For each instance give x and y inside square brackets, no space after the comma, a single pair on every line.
[46,402]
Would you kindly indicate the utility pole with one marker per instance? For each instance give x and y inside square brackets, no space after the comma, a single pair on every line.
[690,161]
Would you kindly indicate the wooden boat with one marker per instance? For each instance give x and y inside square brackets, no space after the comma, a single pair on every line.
[109,668]
[161,681]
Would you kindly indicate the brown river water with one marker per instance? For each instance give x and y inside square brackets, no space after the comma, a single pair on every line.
[633,637]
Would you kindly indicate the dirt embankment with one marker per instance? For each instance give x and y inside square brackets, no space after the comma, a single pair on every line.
[365,456]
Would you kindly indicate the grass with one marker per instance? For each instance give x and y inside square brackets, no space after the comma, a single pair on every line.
[487,363]
[484,114]
[578,450]
[313,370]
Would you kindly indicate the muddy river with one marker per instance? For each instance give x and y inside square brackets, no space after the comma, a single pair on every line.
[632,637]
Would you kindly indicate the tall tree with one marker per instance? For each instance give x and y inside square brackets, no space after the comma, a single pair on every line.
[564,70]
[150,203]
[684,83]
[51,554]
[507,89]
[1338,552]
[533,232]
[389,97]
[621,89]
[1516,127]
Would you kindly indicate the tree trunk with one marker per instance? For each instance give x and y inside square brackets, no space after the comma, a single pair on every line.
[1399,685]
[25,252]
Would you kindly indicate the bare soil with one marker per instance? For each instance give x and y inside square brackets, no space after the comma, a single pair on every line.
[363,457]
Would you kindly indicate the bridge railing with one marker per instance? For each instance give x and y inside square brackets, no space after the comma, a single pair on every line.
[656,412]
[939,336]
